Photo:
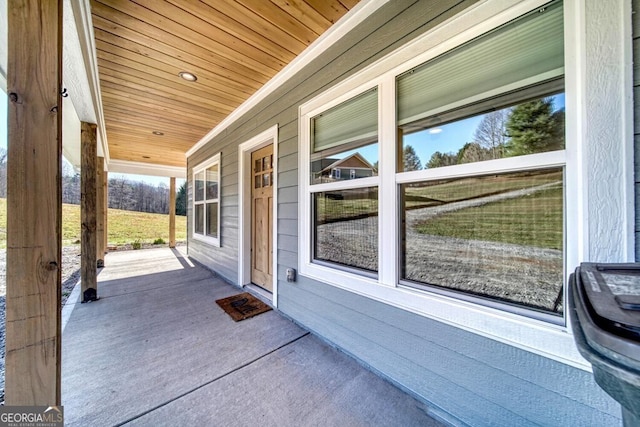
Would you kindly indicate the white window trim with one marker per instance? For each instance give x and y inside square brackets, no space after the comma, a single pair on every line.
[549,340]
[202,167]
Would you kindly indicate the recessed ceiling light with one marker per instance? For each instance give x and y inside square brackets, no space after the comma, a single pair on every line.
[157,132]
[190,77]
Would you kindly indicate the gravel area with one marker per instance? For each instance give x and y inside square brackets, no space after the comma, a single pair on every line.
[514,273]
[70,276]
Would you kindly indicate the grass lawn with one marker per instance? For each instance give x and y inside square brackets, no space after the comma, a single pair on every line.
[346,204]
[533,220]
[123,226]
[331,210]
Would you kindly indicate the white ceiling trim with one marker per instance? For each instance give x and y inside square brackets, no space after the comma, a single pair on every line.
[348,22]
[139,168]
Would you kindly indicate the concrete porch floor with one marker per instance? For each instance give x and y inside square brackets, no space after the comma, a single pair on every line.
[157,350]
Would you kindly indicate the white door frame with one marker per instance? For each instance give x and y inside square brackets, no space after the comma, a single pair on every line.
[269,136]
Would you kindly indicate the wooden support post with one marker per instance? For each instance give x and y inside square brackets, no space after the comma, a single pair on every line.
[34,203]
[88,160]
[106,212]
[172,212]
[100,214]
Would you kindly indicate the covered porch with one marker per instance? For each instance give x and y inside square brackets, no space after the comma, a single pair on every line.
[156,349]
[197,90]
[122,87]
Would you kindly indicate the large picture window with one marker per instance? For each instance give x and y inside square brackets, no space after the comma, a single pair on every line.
[491,234]
[494,236]
[445,194]
[206,201]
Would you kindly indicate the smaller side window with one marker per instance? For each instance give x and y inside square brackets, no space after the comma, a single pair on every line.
[206,203]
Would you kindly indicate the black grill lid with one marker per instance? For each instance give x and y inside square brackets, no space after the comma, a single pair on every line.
[613,293]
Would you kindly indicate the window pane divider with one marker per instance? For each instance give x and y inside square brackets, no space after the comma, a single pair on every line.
[509,164]
[346,184]
[388,249]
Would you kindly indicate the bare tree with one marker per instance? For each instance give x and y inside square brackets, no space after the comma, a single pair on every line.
[71,189]
[123,194]
[492,132]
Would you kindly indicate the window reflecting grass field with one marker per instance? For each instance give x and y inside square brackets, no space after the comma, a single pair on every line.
[498,236]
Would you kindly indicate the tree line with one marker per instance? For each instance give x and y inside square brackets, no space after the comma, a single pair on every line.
[528,128]
[128,195]
[124,194]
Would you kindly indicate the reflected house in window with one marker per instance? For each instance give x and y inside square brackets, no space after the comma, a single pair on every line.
[351,167]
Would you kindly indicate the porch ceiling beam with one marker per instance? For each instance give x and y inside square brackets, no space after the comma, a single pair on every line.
[138,168]
[34,203]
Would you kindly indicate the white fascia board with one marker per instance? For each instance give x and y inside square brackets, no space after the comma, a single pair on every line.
[348,22]
[81,11]
[139,168]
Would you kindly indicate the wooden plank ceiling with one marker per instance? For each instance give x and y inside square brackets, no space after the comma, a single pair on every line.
[232,46]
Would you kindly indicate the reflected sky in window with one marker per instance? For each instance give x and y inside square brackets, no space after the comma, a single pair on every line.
[451,137]
[448,138]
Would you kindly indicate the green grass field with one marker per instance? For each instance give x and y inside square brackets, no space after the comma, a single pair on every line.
[533,220]
[448,191]
[123,226]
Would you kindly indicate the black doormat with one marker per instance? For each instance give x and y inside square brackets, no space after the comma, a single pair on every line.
[242,306]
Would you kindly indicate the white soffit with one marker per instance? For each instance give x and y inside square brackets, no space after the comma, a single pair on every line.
[138,168]
[80,67]
[74,73]
[70,133]
[349,21]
